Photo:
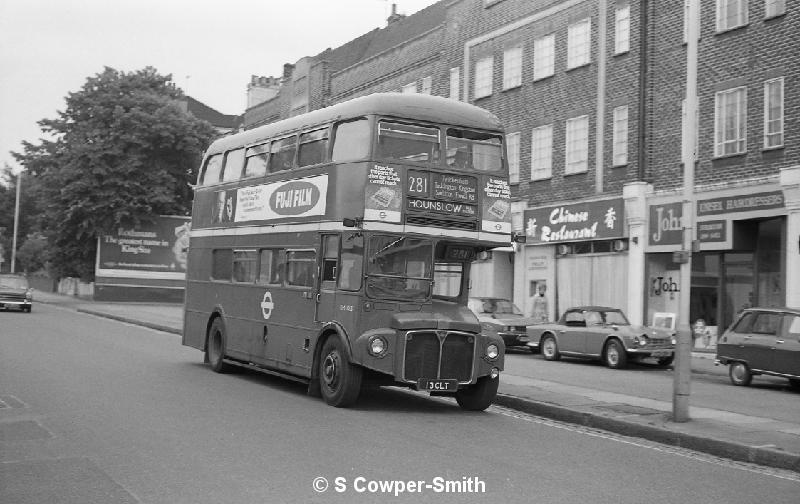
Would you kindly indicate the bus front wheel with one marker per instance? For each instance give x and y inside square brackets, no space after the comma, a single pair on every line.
[339,380]
[478,397]
[215,346]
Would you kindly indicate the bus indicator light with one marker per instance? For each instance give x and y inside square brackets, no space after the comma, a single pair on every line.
[267,305]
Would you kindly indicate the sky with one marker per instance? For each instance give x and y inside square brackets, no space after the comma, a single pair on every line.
[49,48]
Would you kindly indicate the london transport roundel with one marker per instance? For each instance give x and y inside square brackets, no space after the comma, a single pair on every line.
[267,305]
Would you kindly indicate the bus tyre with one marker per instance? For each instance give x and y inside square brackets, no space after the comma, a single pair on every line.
[339,380]
[215,347]
[478,397]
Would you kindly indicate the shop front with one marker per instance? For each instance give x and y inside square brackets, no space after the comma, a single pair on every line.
[739,258]
[575,254]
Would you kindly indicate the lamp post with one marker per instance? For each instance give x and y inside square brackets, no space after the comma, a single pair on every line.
[16,225]
[683,351]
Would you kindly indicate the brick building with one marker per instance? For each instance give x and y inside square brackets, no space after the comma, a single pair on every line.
[590,92]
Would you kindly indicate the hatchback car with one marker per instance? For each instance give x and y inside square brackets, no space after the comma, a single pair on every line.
[762,341]
[15,292]
[501,317]
[598,332]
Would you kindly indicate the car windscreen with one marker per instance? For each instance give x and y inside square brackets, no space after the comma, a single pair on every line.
[14,282]
[615,317]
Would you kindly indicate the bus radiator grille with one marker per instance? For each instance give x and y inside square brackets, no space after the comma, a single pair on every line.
[422,356]
[457,356]
[427,357]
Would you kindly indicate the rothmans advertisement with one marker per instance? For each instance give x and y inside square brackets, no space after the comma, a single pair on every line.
[160,247]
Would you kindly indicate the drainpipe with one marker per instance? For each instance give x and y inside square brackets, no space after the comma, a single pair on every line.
[644,59]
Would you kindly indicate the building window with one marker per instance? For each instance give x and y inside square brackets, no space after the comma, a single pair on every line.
[542,152]
[730,122]
[426,85]
[484,69]
[455,82]
[773,113]
[512,145]
[773,8]
[731,14]
[512,67]
[620,148]
[409,88]
[577,145]
[622,30]
[579,38]
[544,57]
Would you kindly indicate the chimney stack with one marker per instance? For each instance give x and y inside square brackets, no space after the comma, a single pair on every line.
[395,16]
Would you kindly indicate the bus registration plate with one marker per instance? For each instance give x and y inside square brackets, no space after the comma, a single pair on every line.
[437,385]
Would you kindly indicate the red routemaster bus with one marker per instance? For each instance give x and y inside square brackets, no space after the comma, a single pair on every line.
[334,247]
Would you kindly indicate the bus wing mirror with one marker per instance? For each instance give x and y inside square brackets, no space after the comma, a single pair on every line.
[518,237]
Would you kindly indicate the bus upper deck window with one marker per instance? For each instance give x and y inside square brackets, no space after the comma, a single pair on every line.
[313,147]
[256,161]
[351,141]
[282,154]
[234,162]
[211,173]
[472,150]
[409,142]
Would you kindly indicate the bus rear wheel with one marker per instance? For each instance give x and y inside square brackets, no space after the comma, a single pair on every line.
[478,397]
[215,347]
[339,380]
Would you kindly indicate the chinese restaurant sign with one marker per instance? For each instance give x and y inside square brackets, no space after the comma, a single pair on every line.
[593,220]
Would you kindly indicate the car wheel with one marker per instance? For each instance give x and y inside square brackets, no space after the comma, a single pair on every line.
[215,347]
[478,397]
[339,380]
[614,355]
[740,374]
[550,348]
[665,361]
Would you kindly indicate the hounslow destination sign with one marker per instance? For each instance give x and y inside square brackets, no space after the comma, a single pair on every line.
[592,220]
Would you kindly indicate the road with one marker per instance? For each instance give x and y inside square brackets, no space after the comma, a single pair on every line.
[97,411]
[710,387]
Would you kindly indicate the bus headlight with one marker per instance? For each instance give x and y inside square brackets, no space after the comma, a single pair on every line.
[492,351]
[377,346]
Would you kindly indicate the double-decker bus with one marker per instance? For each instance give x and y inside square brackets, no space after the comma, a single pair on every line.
[335,247]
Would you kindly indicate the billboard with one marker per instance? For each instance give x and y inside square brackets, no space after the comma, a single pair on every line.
[156,250]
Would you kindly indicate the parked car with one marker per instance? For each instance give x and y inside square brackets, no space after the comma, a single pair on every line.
[597,332]
[502,317]
[15,292]
[762,341]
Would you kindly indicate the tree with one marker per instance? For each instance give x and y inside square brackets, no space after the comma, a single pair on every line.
[33,254]
[124,151]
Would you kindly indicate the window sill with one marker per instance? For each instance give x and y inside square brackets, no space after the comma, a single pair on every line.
[731,29]
[622,53]
[512,88]
[582,65]
[542,179]
[773,148]
[721,157]
[583,172]
[545,77]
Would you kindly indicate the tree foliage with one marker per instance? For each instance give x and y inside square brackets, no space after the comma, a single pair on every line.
[124,151]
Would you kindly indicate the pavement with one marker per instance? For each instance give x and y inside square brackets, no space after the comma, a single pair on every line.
[724,433]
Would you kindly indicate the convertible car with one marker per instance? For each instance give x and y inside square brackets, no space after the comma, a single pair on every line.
[597,332]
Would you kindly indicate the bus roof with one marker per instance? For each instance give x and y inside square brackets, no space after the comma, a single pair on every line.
[434,109]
